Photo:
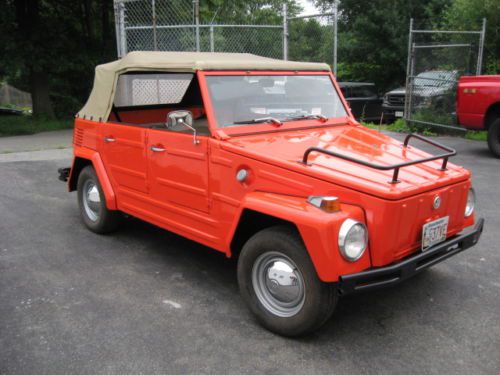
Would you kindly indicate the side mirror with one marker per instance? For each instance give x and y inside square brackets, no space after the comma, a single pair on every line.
[177,119]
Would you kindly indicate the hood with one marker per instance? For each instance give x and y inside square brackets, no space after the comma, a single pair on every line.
[428,92]
[398,91]
[424,91]
[286,149]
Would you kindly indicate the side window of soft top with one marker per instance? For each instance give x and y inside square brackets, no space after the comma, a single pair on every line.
[145,99]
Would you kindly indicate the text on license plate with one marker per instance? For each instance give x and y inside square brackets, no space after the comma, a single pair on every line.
[434,232]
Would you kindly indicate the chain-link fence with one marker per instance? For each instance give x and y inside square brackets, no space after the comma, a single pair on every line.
[150,25]
[436,60]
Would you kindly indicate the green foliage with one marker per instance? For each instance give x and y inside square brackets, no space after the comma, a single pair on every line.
[64,40]
[468,15]
[23,125]
[60,42]
[310,41]
[477,136]
[373,37]
[433,115]
[245,12]
[401,126]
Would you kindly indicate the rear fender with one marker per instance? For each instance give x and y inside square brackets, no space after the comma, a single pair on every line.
[318,230]
[84,154]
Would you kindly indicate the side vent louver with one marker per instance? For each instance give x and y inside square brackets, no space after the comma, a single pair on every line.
[78,137]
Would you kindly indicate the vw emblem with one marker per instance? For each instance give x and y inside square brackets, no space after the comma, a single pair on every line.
[437,202]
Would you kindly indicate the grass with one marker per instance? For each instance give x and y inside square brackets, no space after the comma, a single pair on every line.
[24,125]
[400,126]
[477,136]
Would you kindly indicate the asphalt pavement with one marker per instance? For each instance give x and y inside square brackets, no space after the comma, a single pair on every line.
[146,301]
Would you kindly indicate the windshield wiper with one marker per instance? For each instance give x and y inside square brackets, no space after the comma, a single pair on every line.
[307,116]
[262,120]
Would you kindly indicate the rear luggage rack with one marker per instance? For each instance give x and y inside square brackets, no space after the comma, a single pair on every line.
[449,152]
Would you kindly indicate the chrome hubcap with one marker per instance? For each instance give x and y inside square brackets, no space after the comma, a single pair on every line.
[91,200]
[278,284]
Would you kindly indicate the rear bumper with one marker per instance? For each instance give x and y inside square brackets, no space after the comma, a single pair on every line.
[385,276]
[64,173]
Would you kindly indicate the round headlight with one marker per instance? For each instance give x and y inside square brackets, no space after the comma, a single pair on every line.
[471,203]
[353,239]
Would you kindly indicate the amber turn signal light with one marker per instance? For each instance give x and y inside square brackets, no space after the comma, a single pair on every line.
[327,204]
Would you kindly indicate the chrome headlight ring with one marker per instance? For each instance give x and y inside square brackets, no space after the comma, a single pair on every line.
[353,239]
[471,203]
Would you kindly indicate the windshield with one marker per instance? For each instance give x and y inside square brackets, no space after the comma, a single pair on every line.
[251,99]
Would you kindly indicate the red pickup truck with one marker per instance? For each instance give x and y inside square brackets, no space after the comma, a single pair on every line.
[478,107]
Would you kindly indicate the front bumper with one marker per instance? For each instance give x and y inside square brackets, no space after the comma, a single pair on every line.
[389,111]
[384,276]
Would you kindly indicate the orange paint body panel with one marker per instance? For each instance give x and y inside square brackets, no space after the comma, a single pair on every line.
[189,188]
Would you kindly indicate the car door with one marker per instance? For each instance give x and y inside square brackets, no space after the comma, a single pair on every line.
[357,103]
[178,170]
[123,151]
[373,103]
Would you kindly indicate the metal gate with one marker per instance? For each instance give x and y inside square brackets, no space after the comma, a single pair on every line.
[436,61]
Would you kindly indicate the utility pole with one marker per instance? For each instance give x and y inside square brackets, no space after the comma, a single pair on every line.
[285,32]
[335,29]
[197,23]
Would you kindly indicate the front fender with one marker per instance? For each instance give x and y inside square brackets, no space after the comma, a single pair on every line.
[318,229]
[94,157]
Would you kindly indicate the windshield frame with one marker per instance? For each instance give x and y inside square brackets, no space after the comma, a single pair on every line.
[267,127]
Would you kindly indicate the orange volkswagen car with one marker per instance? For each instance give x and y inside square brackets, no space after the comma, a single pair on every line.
[262,160]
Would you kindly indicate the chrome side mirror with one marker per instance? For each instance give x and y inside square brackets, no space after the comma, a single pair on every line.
[177,119]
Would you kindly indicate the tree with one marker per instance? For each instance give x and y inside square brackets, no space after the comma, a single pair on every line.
[50,48]
[373,37]
[468,15]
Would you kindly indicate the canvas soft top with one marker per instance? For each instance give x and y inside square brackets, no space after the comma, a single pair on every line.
[100,101]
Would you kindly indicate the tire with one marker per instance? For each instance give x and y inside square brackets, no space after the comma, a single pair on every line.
[301,309]
[494,138]
[93,211]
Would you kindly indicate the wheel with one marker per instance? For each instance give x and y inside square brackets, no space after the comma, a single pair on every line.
[93,210]
[280,286]
[494,138]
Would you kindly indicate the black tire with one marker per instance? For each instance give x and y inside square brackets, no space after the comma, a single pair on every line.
[319,299]
[494,138]
[106,220]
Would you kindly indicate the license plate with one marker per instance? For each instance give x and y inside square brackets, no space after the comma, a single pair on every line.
[434,232]
[398,113]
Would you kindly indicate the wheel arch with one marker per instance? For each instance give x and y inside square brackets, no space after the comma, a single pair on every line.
[318,230]
[76,168]
[84,157]
[492,113]
[251,222]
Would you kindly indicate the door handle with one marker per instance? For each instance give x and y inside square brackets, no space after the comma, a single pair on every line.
[157,149]
[109,139]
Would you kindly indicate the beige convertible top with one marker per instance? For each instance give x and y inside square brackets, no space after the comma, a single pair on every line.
[100,101]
